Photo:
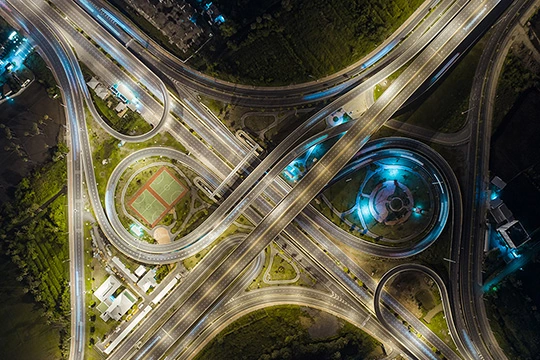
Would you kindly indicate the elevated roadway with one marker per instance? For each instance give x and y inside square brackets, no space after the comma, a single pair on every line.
[331,163]
[291,95]
[252,181]
[247,302]
[233,200]
[431,33]
[379,295]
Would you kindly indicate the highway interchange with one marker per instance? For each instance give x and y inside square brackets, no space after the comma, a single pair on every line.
[212,296]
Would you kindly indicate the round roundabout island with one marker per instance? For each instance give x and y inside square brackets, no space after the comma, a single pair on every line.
[393,197]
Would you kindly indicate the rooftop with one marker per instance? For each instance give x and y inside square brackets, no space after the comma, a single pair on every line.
[108,288]
[514,234]
[120,306]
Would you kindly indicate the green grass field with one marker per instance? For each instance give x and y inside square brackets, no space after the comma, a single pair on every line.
[166,186]
[148,206]
[159,194]
[281,269]
[443,108]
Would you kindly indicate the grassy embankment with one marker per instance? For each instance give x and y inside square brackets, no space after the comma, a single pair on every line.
[42,73]
[281,269]
[259,122]
[442,109]
[287,273]
[519,74]
[284,332]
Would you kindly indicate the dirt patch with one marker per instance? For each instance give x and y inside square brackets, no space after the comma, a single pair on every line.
[162,235]
[437,309]
[323,325]
[30,126]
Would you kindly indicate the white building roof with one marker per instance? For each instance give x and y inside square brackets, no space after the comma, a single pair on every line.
[101,92]
[120,305]
[148,280]
[498,182]
[514,234]
[132,106]
[140,270]
[121,106]
[93,83]
[107,288]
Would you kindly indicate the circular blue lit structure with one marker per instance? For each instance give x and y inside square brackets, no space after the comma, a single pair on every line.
[388,195]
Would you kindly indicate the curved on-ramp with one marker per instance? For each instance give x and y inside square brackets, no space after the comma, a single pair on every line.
[444,296]
[248,302]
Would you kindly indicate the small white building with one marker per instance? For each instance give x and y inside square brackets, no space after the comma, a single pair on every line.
[514,234]
[500,212]
[120,107]
[107,289]
[101,92]
[133,107]
[140,271]
[119,306]
[148,280]
[93,83]
[498,182]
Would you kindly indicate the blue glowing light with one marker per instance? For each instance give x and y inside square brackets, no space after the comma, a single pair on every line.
[219,20]
[123,26]
[380,54]
[331,91]
[12,35]
[109,26]
[364,209]
[339,121]
[444,68]
[494,195]
[291,171]
[136,229]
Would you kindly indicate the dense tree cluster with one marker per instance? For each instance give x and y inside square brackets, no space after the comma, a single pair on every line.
[281,333]
[281,42]
[33,233]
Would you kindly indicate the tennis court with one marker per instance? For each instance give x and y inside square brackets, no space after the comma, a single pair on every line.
[167,186]
[148,207]
[157,196]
